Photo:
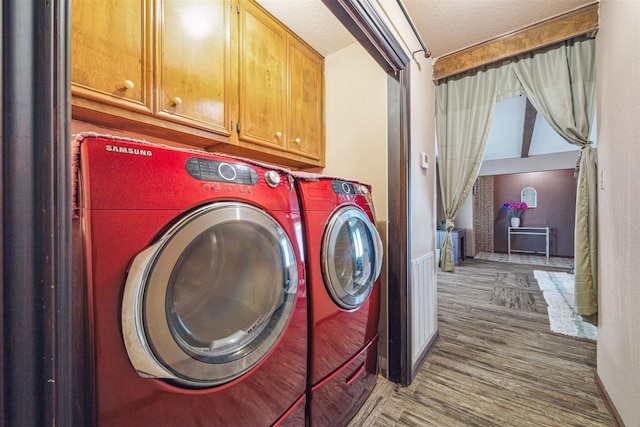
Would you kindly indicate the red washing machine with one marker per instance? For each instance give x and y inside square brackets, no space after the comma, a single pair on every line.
[344,259]
[196,287]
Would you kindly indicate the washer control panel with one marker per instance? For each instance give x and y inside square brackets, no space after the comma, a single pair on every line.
[342,187]
[217,171]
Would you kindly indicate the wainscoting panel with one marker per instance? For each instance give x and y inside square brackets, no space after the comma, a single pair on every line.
[423,305]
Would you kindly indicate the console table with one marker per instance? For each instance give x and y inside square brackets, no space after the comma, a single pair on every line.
[531,231]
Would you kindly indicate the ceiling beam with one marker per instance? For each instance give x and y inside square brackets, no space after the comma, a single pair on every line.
[583,20]
[530,114]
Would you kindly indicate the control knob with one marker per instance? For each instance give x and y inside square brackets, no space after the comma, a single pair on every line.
[272,178]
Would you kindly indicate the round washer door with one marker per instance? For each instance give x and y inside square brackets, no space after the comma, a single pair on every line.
[209,300]
[351,257]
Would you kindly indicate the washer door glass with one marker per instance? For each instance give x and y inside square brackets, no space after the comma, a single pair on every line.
[210,299]
[351,257]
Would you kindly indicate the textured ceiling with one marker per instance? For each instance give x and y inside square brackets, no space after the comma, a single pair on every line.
[445,25]
[311,21]
[450,25]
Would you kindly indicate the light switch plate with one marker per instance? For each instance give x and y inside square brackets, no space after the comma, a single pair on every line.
[424,161]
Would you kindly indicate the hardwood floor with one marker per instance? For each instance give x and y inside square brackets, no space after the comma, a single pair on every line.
[496,363]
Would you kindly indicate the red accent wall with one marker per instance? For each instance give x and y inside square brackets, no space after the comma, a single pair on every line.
[556,209]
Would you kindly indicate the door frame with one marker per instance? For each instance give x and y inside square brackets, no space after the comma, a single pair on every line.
[38,359]
[365,24]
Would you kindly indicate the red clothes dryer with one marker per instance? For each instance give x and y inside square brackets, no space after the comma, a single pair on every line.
[344,259]
[196,287]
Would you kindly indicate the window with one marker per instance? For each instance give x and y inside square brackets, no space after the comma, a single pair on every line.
[529,195]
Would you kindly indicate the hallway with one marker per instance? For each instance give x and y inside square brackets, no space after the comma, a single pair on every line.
[493,365]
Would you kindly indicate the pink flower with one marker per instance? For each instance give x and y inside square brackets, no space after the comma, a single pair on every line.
[515,209]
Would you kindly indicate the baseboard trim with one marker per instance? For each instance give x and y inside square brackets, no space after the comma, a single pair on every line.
[608,402]
[423,356]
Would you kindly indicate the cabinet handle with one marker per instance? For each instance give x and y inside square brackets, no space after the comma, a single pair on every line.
[278,134]
[128,84]
[177,101]
[297,141]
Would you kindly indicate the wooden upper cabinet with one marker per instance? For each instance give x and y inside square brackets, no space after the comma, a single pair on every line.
[193,63]
[306,86]
[110,52]
[263,52]
[222,75]
[281,88]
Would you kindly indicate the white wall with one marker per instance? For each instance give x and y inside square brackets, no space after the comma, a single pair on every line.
[422,182]
[618,94]
[356,121]
[356,138]
[423,305]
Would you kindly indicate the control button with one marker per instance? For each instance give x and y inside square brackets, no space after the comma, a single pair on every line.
[364,190]
[272,178]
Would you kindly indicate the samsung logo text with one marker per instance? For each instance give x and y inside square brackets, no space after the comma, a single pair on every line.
[126,150]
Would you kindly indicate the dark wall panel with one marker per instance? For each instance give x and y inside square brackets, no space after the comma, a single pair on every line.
[556,209]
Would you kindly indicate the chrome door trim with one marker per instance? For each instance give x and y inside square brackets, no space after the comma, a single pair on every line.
[332,282]
[150,344]
[138,349]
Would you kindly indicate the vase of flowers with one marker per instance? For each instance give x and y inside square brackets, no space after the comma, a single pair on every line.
[514,211]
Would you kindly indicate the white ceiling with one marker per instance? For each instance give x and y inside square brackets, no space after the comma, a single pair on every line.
[446,26]
[505,134]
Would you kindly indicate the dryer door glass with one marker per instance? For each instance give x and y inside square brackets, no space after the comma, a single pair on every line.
[213,297]
[351,256]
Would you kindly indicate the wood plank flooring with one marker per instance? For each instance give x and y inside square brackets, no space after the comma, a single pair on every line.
[496,363]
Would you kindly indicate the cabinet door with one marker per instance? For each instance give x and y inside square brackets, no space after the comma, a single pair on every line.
[262,78]
[110,52]
[193,63]
[305,102]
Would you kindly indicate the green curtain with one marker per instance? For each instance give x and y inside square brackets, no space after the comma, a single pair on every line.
[560,83]
[464,109]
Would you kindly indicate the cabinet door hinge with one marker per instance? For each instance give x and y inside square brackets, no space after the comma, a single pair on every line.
[238,9]
[238,127]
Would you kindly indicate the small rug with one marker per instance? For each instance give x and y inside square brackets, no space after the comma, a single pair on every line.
[513,290]
[513,298]
[513,279]
[557,288]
